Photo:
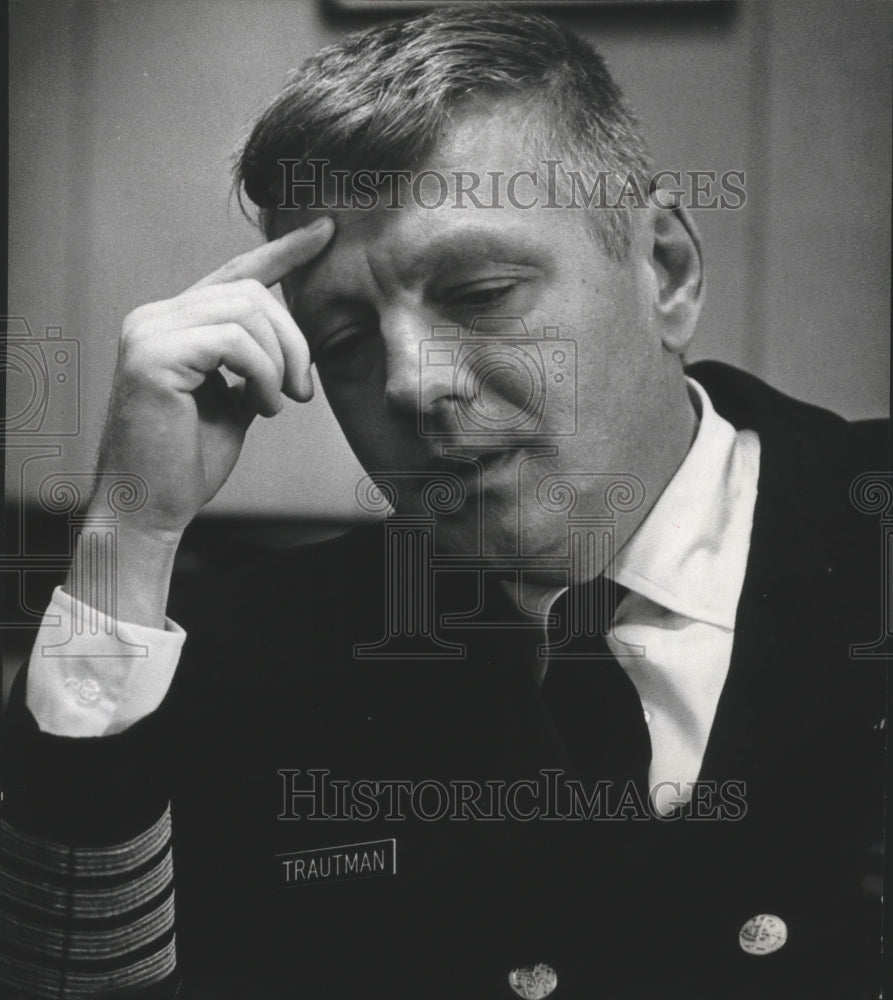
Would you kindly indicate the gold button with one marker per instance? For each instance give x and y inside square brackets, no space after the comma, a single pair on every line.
[763,934]
[533,983]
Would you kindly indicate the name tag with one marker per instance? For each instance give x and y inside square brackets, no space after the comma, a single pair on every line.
[337,864]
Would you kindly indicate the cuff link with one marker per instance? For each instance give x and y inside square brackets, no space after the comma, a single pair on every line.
[86,689]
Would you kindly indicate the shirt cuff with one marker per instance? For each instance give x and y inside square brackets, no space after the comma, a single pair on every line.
[90,675]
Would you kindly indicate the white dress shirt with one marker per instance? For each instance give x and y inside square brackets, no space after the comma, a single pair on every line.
[684,567]
[90,675]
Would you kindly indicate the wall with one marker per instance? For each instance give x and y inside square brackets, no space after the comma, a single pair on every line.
[124,116]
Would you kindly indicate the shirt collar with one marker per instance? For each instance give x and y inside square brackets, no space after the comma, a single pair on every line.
[690,553]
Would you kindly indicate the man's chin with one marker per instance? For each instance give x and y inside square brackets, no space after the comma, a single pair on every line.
[539,550]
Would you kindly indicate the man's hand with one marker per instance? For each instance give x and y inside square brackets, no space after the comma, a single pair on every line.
[175,422]
[173,419]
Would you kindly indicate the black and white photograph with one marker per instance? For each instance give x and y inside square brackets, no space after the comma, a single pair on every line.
[447,545]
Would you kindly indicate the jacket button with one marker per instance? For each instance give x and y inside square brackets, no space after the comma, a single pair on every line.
[533,983]
[763,934]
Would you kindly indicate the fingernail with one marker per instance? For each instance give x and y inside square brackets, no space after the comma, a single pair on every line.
[317,225]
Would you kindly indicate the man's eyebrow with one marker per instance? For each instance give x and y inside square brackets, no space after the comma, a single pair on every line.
[464,246]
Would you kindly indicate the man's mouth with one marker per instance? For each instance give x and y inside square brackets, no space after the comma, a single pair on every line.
[475,465]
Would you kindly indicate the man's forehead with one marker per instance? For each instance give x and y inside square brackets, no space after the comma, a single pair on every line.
[499,130]
[485,140]
[426,250]
[481,191]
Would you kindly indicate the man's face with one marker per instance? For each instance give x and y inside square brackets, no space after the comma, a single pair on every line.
[389,311]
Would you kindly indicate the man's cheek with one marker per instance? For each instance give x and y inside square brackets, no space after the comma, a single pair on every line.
[377,445]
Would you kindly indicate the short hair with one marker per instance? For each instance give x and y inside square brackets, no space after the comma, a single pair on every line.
[379,99]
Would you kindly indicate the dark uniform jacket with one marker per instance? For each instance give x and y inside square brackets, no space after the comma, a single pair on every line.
[268,689]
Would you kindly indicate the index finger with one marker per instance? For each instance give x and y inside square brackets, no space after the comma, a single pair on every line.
[272,261]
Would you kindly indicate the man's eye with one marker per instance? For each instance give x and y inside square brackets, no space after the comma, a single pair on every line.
[477,296]
[342,344]
[345,353]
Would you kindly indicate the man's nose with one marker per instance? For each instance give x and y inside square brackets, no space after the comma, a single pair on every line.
[415,382]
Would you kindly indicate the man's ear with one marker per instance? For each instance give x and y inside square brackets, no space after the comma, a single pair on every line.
[678,269]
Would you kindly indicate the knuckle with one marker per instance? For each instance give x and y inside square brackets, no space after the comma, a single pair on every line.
[133,321]
[242,307]
[139,357]
[251,286]
[131,349]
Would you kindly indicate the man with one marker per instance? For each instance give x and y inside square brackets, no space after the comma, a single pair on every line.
[609,621]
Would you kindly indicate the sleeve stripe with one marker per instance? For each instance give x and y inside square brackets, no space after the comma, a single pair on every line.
[97,882]
[86,943]
[75,921]
[88,902]
[52,984]
[85,861]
